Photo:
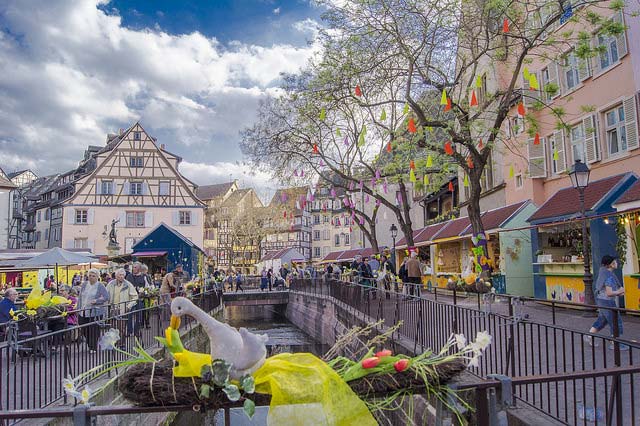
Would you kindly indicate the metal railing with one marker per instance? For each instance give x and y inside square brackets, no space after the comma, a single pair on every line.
[32,368]
[520,348]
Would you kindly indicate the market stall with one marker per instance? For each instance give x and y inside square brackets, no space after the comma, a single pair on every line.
[557,239]
[627,226]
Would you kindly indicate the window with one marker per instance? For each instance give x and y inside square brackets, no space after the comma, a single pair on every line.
[570,71]
[39,217]
[550,88]
[316,219]
[46,234]
[37,236]
[519,181]
[517,127]
[82,217]
[135,219]
[347,239]
[106,187]
[135,161]
[164,188]
[135,188]
[326,235]
[577,143]
[55,234]
[316,252]
[337,240]
[316,235]
[325,219]
[184,218]
[137,136]
[47,214]
[80,243]
[325,251]
[616,131]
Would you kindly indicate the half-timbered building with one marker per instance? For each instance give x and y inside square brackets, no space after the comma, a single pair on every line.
[135,182]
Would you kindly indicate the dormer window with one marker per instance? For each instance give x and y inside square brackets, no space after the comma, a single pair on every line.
[136,161]
[137,136]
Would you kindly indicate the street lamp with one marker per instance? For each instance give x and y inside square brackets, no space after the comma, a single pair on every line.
[579,175]
[394,234]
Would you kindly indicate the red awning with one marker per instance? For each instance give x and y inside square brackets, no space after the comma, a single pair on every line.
[496,218]
[453,228]
[148,254]
[632,194]
[330,257]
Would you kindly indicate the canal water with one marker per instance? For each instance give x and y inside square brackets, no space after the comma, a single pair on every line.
[283,337]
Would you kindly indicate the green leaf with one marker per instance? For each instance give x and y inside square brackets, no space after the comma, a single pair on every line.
[338,132]
[405,110]
[205,391]
[383,115]
[249,408]
[323,114]
[361,140]
[232,391]
[220,372]
[248,384]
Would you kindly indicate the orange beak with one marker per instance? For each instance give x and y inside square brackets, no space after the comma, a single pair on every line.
[175,322]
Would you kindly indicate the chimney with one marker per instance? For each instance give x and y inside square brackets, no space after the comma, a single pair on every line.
[162,146]
[121,131]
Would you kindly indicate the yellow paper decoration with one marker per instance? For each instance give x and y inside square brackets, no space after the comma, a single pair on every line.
[526,73]
[479,82]
[412,176]
[338,132]
[426,179]
[429,161]
[190,363]
[465,182]
[533,82]
[556,156]
[383,115]
[323,114]
[443,99]
[511,171]
[361,139]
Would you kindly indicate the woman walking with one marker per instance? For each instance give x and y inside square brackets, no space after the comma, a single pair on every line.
[607,290]
[93,296]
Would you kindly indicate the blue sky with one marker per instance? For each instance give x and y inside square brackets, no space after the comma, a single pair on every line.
[192,72]
[250,21]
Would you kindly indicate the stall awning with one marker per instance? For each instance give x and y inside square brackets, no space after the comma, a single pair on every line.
[349,255]
[565,203]
[630,196]
[452,229]
[148,254]
[495,219]
[422,236]
[332,256]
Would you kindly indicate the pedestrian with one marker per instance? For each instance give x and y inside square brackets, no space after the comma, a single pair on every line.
[168,290]
[8,304]
[386,275]
[402,274]
[284,272]
[93,296]
[606,291]
[263,279]
[366,275]
[239,280]
[414,273]
[270,278]
[181,275]
[123,298]
[136,277]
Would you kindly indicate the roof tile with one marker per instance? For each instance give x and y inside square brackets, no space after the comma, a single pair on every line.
[632,194]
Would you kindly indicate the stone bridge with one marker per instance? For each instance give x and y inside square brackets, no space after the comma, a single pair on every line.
[256,298]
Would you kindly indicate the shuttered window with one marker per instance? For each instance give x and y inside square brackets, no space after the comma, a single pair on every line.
[631,122]
[590,133]
[612,48]
[537,158]
[550,84]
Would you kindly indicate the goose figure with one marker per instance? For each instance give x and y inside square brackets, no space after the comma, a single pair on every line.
[243,350]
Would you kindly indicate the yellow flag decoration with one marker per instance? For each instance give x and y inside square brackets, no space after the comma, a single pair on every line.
[443,99]
[556,156]
[429,161]
[511,171]
[525,73]
[361,139]
[383,115]
[479,82]
[412,176]
[323,114]
[426,179]
[338,132]
[533,82]
[405,110]
[465,182]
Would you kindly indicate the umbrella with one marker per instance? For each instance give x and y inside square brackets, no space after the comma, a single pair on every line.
[56,257]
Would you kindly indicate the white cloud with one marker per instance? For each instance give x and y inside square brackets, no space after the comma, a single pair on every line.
[71,73]
[276,11]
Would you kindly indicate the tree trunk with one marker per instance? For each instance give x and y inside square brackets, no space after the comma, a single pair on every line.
[475,217]
[404,216]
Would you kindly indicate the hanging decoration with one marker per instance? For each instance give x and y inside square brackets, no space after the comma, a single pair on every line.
[470,163]
[556,156]
[412,165]
[426,179]
[521,110]
[338,132]
[361,140]
[450,186]
[474,99]
[405,110]
[323,114]
[346,141]
[321,164]
[479,82]
[367,199]
[333,192]
[505,26]
[377,174]
[444,100]
[429,161]
[361,220]
[448,148]
[412,176]
[295,172]
[315,148]
[512,172]
[301,173]
[383,115]
[389,148]
[465,182]
[358,90]
[378,203]
[533,82]
[448,107]
[412,126]
[480,145]
[536,139]
[284,214]
[525,73]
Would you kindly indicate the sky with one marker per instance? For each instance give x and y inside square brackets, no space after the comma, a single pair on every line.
[192,72]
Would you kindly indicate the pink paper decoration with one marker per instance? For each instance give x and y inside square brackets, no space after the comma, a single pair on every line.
[377,174]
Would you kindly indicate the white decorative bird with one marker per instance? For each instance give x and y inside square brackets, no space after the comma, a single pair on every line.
[243,350]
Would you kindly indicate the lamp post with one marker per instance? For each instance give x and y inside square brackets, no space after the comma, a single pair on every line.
[579,175]
[394,234]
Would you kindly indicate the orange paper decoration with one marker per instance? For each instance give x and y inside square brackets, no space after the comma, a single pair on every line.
[358,90]
[412,165]
[412,126]
[469,162]
[521,109]
[536,139]
[389,146]
[315,148]
[450,186]
[505,26]
[474,99]
[448,106]
[480,144]
[448,148]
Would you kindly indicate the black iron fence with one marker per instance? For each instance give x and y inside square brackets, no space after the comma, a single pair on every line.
[521,349]
[33,365]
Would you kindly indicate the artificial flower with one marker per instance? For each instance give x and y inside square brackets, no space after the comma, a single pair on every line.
[383,353]
[32,312]
[85,395]
[370,362]
[69,385]
[461,341]
[109,339]
[401,365]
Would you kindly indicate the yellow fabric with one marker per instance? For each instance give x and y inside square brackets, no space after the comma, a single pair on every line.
[190,363]
[305,390]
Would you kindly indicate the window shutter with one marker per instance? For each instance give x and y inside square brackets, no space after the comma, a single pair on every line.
[537,159]
[584,70]
[145,188]
[595,62]
[558,145]
[91,245]
[631,122]
[71,219]
[90,213]
[592,153]
[529,97]
[122,217]
[621,40]
[553,78]
[148,219]
[176,218]
[194,218]
[126,190]
[98,187]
